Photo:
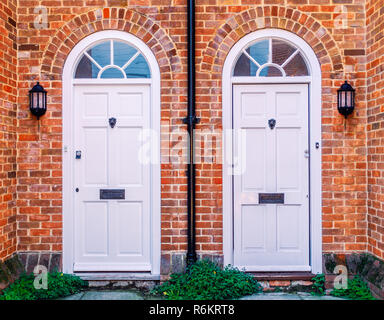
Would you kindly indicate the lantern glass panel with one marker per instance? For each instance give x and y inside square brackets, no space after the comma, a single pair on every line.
[37,100]
[349,98]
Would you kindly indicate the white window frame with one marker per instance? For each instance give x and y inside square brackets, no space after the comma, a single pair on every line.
[112,64]
[314,83]
[68,138]
[269,63]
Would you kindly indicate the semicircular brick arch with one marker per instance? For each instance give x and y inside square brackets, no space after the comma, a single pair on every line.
[279,17]
[109,19]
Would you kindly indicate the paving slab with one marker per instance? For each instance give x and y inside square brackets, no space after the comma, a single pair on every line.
[76,296]
[134,295]
[272,296]
[111,295]
[287,296]
[321,298]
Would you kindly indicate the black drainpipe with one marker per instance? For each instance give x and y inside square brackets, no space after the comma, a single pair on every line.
[191,121]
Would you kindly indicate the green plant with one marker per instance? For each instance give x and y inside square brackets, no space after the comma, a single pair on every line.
[59,285]
[357,290]
[318,285]
[205,280]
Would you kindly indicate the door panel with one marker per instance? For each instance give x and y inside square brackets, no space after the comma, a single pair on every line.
[271,236]
[129,144]
[95,105]
[255,160]
[112,235]
[95,224]
[288,228]
[95,146]
[288,153]
[129,225]
[253,239]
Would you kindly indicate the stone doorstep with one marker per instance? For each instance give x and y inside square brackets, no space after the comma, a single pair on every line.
[282,276]
[268,280]
[271,281]
[117,276]
[120,280]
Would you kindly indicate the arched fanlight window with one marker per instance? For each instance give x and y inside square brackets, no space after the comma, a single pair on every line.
[112,59]
[270,58]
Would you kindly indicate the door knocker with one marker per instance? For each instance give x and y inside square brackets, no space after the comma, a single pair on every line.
[272,123]
[112,122]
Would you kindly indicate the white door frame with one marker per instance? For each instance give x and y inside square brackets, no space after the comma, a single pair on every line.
[68,139]
[314,83]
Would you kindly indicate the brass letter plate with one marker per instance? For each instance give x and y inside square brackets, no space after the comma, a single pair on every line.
[271,198]
[111,194]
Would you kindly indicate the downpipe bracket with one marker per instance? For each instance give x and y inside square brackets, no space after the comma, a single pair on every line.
[191,120]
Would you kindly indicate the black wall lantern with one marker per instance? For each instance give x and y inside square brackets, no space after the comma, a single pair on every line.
[38,100]
[346,99]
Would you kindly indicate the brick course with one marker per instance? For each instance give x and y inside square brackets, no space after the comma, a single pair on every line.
[8,108]
[349,51]
[375,128]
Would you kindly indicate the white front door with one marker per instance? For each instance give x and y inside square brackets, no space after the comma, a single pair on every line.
[112,228]
[271,191]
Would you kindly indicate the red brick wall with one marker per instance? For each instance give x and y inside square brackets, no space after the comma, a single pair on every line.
[8,93]
[375,96]
[40,166]
[342,56]
[162,25]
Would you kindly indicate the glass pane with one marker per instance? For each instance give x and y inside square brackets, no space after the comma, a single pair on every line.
[259,51]
[296,67]
[37,100]
[243,67]
[112,73]
[281,51]
[349,98]
[270,71]
[101,53]
[138,68]
[122,52]
[84,69]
